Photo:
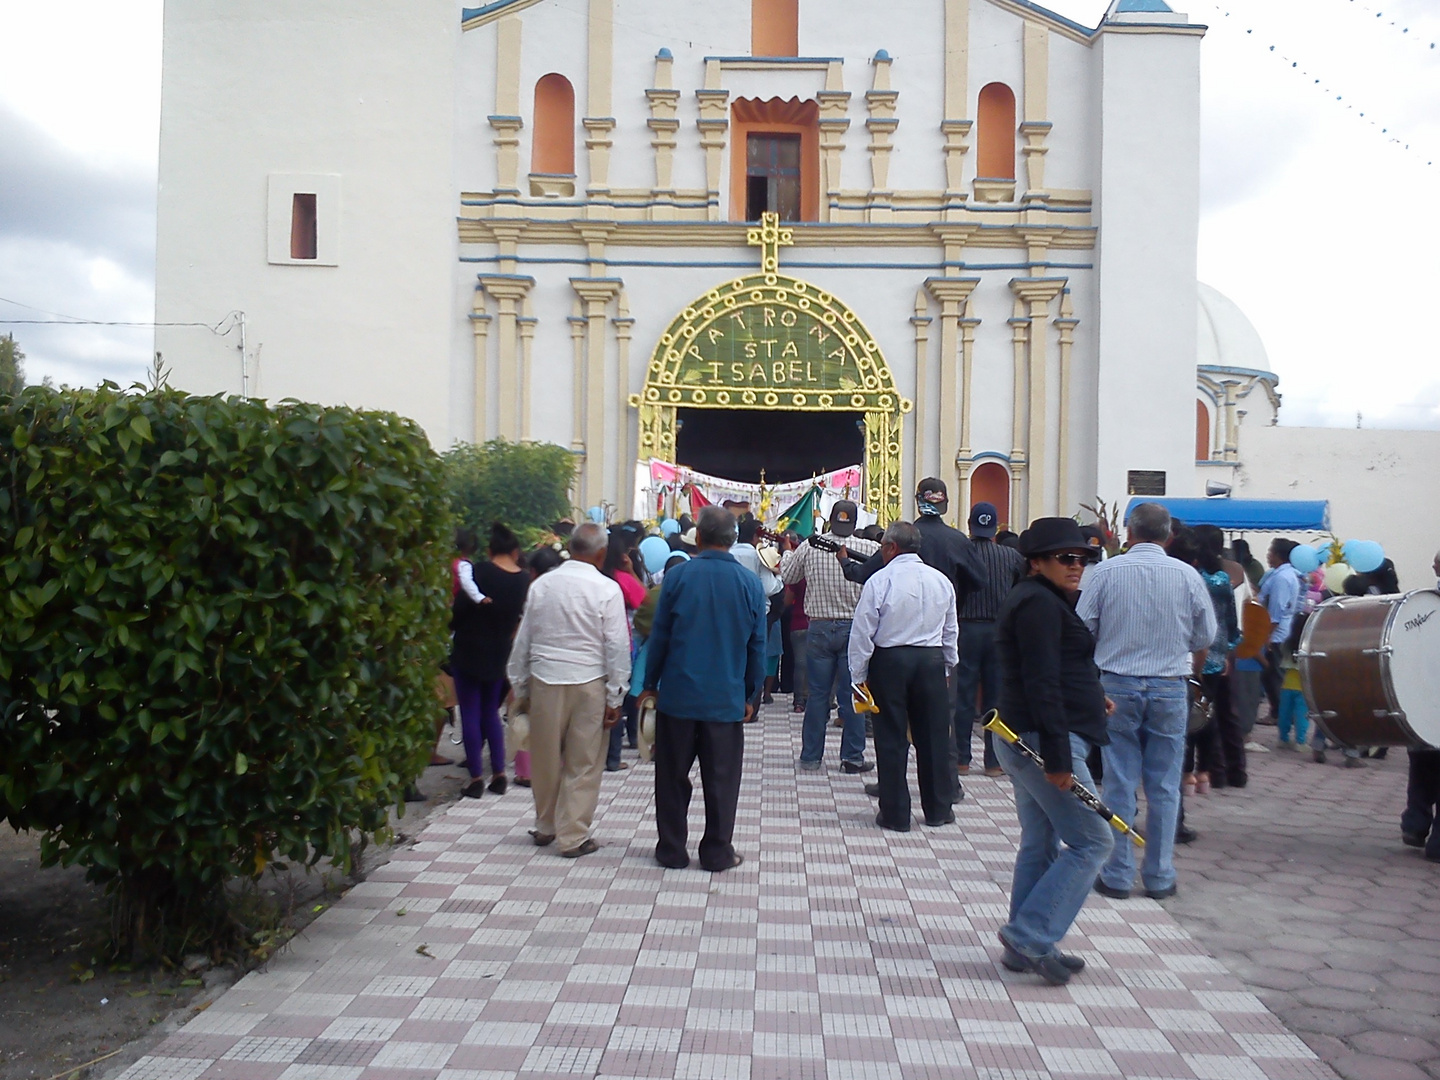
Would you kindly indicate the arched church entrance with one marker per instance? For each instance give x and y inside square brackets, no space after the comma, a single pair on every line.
[761,371]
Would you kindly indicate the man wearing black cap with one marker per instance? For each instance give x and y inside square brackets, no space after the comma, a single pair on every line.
[979,670]
[830,601]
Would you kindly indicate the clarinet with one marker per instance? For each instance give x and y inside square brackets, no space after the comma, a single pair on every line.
[997,727]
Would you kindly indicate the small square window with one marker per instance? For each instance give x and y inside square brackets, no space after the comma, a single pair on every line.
[1145,482]
[303,226]
[772,176]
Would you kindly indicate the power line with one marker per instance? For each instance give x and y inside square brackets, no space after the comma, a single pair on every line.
[62,319]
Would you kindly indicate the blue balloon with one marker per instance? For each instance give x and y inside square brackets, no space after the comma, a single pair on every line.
[1348,548]
[1367,557]
[669,527]
[1305,559]
[596,515]
[656,552]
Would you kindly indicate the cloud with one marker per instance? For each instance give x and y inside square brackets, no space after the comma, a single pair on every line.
[76,236]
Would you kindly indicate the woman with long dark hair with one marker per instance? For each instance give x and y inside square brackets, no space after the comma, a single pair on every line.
[1217,751]
[481,649]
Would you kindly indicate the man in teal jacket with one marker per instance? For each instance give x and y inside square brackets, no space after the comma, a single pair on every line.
[705,664]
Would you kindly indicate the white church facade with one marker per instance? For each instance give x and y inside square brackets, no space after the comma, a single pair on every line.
[936,237]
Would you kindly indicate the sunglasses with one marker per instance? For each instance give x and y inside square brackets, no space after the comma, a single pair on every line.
[1069,558]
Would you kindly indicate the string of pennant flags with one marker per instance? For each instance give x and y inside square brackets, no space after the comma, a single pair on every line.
[1400,26]
[1323,84]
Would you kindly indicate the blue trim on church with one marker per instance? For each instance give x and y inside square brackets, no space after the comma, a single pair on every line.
[1142,5]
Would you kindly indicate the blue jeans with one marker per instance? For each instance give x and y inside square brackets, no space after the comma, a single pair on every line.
[1293,713]
[977,673]
[827,650]
[1147,745]
[1051,882]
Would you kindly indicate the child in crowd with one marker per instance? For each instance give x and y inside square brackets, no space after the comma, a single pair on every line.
[1294,714]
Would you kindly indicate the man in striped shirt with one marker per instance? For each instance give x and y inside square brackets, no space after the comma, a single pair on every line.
[830,603]
[1153,623]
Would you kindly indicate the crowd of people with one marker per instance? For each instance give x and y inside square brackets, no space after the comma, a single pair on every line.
[1118,671]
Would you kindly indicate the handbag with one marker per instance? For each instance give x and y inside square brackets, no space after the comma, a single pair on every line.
[1202,709]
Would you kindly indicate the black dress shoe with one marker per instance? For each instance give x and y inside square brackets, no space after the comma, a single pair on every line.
[873,790]
[497,784]
[412,794]
[1185,835]
[474,789]
[880,820]
[853,767]
[1013,961]
[948,819]
[1410,839]
[1162,894]
[1113,894]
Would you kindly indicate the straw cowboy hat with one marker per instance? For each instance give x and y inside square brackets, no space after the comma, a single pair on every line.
[647,731]
[517,730]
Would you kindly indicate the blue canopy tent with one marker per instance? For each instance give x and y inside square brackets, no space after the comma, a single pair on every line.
[1234,515]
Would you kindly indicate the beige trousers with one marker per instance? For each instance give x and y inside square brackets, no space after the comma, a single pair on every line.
[567,755]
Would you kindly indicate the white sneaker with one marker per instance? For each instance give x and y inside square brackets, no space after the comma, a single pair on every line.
[1257,747]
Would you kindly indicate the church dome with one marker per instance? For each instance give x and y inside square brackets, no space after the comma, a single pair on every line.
[1226,338]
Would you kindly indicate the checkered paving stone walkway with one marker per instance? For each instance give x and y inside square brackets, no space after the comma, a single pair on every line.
[836,952]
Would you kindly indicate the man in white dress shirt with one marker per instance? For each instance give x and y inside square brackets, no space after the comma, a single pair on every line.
[571,663]
[902,643]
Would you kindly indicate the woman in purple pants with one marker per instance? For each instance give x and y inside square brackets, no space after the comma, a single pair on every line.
[479,652]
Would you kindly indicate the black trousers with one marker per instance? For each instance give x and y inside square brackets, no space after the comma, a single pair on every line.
[1422,800]
[909,687]
[720,746]
[1229,768]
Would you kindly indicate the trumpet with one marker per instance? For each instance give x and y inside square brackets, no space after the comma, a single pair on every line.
[997,727]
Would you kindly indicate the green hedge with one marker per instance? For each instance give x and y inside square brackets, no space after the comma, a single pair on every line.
[221,627]
[525,485]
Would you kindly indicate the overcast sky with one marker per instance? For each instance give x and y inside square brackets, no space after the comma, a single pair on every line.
[1319,227]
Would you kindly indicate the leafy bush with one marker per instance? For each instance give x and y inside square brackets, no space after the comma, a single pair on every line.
[221,625]
[525,485]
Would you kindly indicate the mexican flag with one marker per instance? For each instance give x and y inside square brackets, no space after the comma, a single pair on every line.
[801,516]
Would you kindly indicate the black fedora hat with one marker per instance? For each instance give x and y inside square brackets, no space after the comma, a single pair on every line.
[1050,534]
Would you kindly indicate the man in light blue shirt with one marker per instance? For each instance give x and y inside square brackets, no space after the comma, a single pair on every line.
[1153,623]
[903,642]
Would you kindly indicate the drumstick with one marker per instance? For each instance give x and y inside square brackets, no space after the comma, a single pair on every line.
[996,726]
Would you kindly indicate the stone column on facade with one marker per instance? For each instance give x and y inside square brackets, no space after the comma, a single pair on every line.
[953,126]
[834,103]
[714,125]
[480,327]
[1037,293]
[509,290]
[1066,324]
[921,322]
[664,104]
[951,293]
[624,331]
[506,122]
[1019,338]
[965,458]
[577,393]
[1035,127]
[526,324]
[881,101]
[1232,424]
[599,120]
[596,294]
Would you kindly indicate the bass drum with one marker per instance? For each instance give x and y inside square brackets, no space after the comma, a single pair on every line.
[1370,666]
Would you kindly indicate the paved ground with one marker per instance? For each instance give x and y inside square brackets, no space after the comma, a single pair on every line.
[837,951]
[1300,884]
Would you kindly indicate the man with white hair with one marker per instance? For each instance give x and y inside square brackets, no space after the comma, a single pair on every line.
[570,668]
[1153,624]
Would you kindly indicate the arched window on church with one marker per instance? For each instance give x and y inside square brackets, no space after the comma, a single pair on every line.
[1202,431]
[774,27]
[995,157]
[552,149]
[991,483]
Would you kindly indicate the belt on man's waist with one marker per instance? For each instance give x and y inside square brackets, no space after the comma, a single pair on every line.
[977,620]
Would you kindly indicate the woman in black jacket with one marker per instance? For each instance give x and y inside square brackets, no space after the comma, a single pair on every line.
[1050,695]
